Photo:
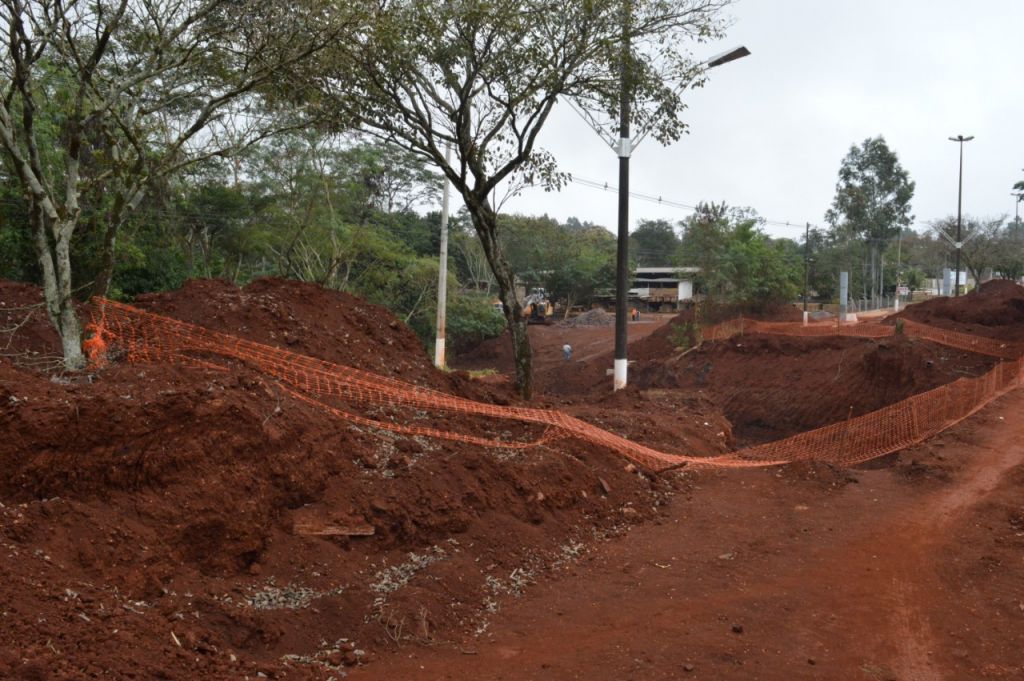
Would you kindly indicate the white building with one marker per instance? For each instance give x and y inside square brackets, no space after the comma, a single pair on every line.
[663,286]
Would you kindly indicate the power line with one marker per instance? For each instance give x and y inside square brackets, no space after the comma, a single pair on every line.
[662,201]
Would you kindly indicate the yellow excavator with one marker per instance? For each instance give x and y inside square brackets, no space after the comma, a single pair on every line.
[537,307]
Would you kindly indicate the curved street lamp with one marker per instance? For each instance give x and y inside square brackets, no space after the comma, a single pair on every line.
[959,206]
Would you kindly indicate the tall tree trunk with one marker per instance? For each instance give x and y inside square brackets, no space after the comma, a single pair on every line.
[485,221]
[125,201]
[55,262]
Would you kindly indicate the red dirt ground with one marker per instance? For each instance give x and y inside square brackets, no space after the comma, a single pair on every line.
[995,309]
[151,520]
[769,387]
[908,572]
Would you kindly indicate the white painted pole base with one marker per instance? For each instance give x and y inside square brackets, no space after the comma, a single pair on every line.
[896,305]
[621,366]
[439,353]
[806,316]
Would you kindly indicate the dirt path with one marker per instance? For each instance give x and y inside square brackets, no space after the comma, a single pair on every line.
[588,342]
[764,575]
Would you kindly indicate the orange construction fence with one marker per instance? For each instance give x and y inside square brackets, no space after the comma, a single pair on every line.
[145,337]
[962,341]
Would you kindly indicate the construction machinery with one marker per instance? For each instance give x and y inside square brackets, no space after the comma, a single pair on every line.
[537,307]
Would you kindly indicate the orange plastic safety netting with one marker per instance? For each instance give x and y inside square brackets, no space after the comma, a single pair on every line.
[962,341]
[145,337]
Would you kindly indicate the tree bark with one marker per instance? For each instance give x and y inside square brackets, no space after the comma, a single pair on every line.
[55,263]
[485,221]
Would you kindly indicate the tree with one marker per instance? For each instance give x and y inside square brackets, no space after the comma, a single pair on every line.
[102,99]
[872,202]
[584,263]
[482,77]
[740,265]
[654,243]
[988,245]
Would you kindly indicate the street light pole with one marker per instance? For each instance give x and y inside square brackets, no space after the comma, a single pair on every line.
[624,149]
[622,251]
[442,272]
[959,210]
[807,243]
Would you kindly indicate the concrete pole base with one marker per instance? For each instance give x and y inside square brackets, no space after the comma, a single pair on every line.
[439,353]
[621,368]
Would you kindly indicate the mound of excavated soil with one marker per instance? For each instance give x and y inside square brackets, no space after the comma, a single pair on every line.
[166,522]
[772,387]
[595,317]
[995,310]
[26,334]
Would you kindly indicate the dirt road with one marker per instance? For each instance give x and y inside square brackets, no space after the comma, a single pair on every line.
[588,343]
[910,571]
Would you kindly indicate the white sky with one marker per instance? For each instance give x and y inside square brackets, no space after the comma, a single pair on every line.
[769,131]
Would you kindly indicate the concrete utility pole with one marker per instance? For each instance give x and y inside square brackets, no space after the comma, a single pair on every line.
[807,241]
[899,269]
[844,294]
[959,210]
[442,273]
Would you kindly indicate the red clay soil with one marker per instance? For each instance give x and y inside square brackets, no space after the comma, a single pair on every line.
[995,309]
[771,387]
[156,520]
[588,342]
[155,523]
[907,572]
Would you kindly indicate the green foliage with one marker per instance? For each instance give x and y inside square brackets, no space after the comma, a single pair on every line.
[913,278]
[17,257]
[654,244]
[480,78]
[686,335]
[739,264]
[573,264]
[472,319]
[870,208]
[873,193]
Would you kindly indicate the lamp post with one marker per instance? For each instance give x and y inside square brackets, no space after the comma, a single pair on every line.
[624,149]
[960,139]
[1016,210]
[442,272]
[807,243]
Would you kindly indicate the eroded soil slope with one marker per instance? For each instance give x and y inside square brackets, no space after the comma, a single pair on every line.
[170,522]
[995,309]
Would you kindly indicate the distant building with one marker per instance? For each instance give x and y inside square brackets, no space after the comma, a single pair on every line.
[663,287]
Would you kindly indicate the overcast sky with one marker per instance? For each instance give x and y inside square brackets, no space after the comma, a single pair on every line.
[769,131]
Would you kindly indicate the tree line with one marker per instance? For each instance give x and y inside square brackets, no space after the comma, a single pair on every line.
[106,102]
[147,141]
